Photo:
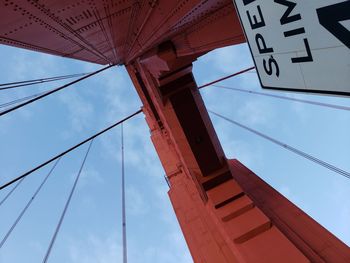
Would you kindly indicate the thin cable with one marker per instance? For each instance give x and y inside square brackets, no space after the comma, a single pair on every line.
[36,80]
[205,85]
[12,102]
[58,227]
[10,193]
[19,84]
[333,106]
[69,150]
[125,256]
[4,239]
[34,83]
[288,147]
[227,77]
[53,91]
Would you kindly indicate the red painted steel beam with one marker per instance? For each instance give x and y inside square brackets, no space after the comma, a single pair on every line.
[117,32]
[225,217]
[227,214]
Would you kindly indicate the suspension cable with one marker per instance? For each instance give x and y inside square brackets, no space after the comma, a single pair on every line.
[10,193]
[227,77]
[24,210]
[58,227]
[248,70]
[12,102]
[287,147]
[69,150]
[24,83]
[125,257]
[37,80]
[53,91]
[334,106]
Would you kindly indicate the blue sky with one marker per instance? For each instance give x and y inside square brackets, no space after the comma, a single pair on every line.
[92,229]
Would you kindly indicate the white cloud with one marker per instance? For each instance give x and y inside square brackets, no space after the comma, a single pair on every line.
[95,250]
[80,110]
[255,112]
[136,202]
[228,60]
[108,249]
[341,210]
[89,176]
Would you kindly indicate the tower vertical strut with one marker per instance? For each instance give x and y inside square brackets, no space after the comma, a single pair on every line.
[125,253]
[53,239]
[226,212]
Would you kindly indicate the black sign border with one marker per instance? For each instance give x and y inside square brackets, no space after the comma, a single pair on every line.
[321,92]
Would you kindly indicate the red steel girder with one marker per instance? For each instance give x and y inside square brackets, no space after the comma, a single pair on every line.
[116,32]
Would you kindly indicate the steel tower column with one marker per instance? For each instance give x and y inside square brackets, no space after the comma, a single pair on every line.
[227,214]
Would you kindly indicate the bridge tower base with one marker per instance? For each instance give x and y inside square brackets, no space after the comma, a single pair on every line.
[227,214]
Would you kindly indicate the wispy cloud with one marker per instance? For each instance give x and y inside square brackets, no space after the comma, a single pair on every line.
[95,250]
[137,204]
[255,112]
[80,111]
[108,249]
[228,60]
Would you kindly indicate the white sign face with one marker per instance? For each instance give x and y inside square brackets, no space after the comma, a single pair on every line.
[299,45]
